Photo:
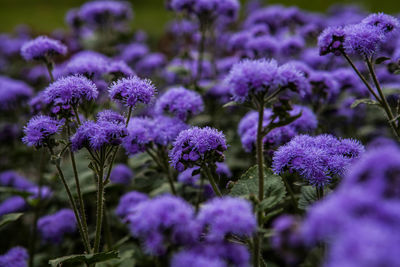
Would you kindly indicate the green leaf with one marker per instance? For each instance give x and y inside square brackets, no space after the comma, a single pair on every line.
[380,60]
[230,104]
[11,217]
[366,101]
[247,186]
[397,72]
[308,196]
[85,258]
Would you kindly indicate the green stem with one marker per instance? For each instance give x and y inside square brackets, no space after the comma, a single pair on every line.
[290,190]
[100,202]
[72,202]
[107,230]
[320,192]
[212,180]
[49,66]
[76,114]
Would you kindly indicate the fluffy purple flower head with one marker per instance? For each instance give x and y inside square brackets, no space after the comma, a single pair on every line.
[52,228]
[40,129]
[331,41]
[262,46]
[110,116]
[293,79]
[13,179]
[150,63]
[98,13]
[292,46]
[132,90]
[133,53]
[166,129]
[88,63]
[121,174]
[318,158]
[385,23]
[196,146]
[82,136]
[13,93]
[169,220]
[69,91]
[42,48]
[15,257]
[224,216]
[139,135]
[128,202]
[186,177]
[13,204]
[181,5]
[120,69]
[42,192]
[226,10]
[362,39]
[195,259]
[324,88]
[180,102]
[251,77]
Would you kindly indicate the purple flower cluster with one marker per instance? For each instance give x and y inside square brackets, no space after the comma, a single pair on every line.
[13,93]
[88,63]
[128,202]
[42,48]
[316,159]
[53,227]
[197,146]
[180,102]
[121,174]
[15,257]
[13,179]
[40,129]
[132,90]
[13,204]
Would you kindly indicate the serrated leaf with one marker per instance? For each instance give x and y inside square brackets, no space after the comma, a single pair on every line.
[85,258]
[274,189]
[366,101]
[380,60]
[11,217]
[308,197]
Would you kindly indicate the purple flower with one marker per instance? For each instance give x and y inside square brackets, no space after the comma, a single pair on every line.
[194,259]
[110,116]
[13,204]
[42,48]
[132,53]
[180,102]
[169,220]
[52,228]
[147,65]
[292,46]
[386,23]
[331,41]
[362,39]
[40,129]
[15,257]
[69,91]
[293,79]
[262,46]
[197,145]
[166,129]
[13,179]
[119,69]
[121,174]
[88,63]
[43,192]
[251,77]
[139,135]
[13,93]
[128,202]
[82,136]
[324,88]
[318,158]
[224,216]
[132,90]
[186,177]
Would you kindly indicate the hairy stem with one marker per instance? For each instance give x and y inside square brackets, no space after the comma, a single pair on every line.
[49,66]
[100,202]
[210,177]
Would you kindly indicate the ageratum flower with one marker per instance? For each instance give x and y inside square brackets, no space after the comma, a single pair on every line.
[180,102]
[166,129]
[362,39]
[128,202]
[292,46]
[262,46]
[169,220]
[88,63]
[331,41]
[121,174]
[52,228]
[15,257]
[98,13]
[132,53]
[224,216]
[69,91]
[196,146]
[150,63]
[110,116]
[385,23]
[213,255]
[318,158]
[252,77]
[119,69]
[42,48]
[293,79]
[40,129]
[13,93]
[13,204]
[324,88]
[13,179]
[132,90]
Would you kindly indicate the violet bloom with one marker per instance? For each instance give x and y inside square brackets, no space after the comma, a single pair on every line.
[88,63]
[169,220]
[119,69]
[252,77]
[166,129]
[224,216]
[13,204]
[128,202]
[139,135]
[316,159]
[132,53]
[15,257]
[197,146]
[331,41]
[52,228]
[292,46]
[13,93]
[362,39]
[262,46]
[121,174]
[40,129]
[293,79]
[150,63]
[194,259]
[385,23]
[180,102]
[69,91]
[132,90]
[42,48]
[110,116]
[13,179]
[186,177]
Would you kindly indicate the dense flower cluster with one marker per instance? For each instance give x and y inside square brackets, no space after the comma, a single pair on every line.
[40,129]
[17,257]
[132,90]
[42,48]
[53,227]
[121,174]
[13,204]
[13,93]
[128,202]
[13,179]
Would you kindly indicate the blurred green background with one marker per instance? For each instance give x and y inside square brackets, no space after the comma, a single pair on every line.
[150,15]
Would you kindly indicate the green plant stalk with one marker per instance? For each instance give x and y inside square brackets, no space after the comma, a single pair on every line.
[100,202]
[78,189]
[289,189]
[49,67]
[212,180]
[167,170]
[72,202]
